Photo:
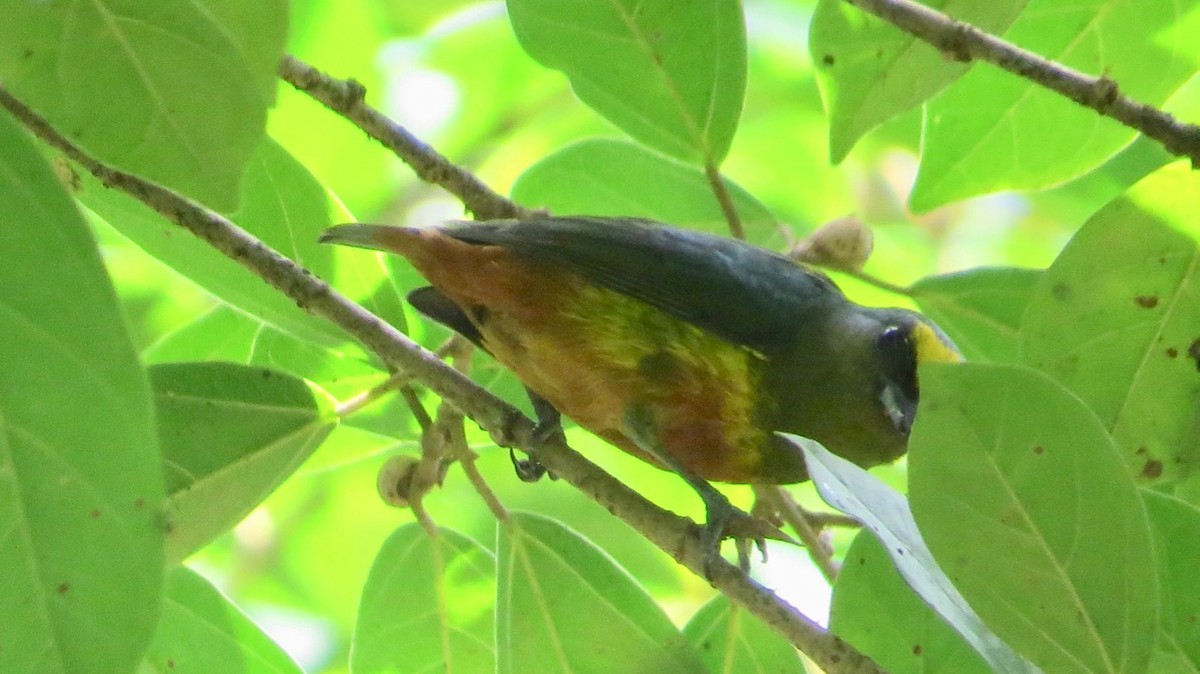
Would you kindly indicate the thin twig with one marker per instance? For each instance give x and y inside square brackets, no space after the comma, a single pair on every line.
[736,229]
[823,520]
[964,42]
[871,279]
[781,501]
[675,535]
[357,402]
[345,97]
[415,406]
[459,350]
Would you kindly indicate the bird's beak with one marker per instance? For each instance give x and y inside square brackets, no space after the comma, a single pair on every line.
[359,236]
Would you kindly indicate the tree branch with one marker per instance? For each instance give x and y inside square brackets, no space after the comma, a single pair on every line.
[673,534]
[345,97]
[964,42]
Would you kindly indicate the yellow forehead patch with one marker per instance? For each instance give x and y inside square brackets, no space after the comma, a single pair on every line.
[932,347]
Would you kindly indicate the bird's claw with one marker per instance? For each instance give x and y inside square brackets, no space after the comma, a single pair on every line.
[527,470]
[724,520]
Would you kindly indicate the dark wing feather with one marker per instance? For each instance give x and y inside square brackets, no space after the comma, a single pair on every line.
[431,302]
[748,295]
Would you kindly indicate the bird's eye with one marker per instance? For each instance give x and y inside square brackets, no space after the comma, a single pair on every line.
[898,357]
[899,354]
[893,342]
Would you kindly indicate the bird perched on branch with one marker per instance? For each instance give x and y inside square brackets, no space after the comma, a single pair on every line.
[686,349]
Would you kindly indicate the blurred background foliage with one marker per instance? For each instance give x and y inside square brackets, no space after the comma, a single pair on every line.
[453,73]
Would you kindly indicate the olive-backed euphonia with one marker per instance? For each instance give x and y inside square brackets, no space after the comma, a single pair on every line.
[715,343]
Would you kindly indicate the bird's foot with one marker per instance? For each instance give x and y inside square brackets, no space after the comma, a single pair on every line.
[527,470]
[548,429]
[724,520]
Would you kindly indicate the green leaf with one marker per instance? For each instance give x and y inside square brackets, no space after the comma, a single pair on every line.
[1116,319]
[175,91]
[565,606]
[671,75]
[428,605]
[337,153]
[1176,527]
[729,639]
[281,204]
[1097,188]
[1027,506]
[993,130]
[230,434]
[227,335]
[221,334]
[980,308]
[871,71]
[619,178]
[202,631]
[911,638]
[80,481]
[886,514]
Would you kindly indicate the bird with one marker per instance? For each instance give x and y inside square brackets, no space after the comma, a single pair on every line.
[689,350]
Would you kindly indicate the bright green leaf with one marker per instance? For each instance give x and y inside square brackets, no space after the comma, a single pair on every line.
[618,178]
[221,334]
[202,631]
[337,153]
[729,639]
[1027,506]
[496,80]
[1170,195]
[980,309]
[175,91]
[874,609]
[282,205]
[1116,319]
[886,514]
[80,481]
[1097,188]
[871,71]
[993,130]
[565,606]
[428,605]
[1176,527]
[671,75]
[230,434]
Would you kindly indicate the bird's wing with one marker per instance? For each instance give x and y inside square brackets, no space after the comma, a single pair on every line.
[745,294]
[434,304]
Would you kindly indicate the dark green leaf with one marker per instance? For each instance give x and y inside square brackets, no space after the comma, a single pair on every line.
[175,91]
[671,75]
[80,480]
[230,434]
[1027,506]
[428,605]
